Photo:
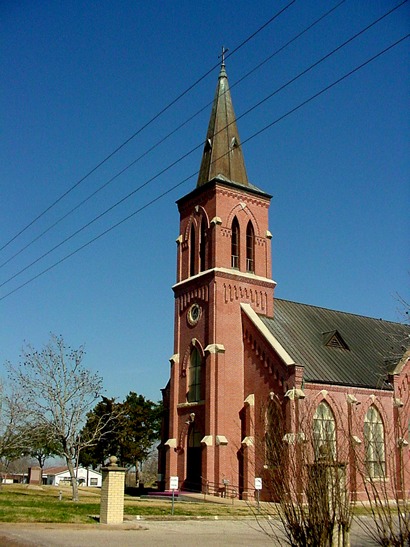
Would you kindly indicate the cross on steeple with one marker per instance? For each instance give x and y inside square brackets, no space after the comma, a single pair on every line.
[224,50]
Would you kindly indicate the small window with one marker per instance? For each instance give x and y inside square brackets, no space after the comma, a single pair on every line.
[235,244]
[250,248]
[324,433]
[194,388]
[93,482]
[374,443]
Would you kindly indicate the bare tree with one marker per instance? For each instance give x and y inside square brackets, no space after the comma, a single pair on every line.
[12,438]
[57,392]
[305,475]
[383,476]
[41,445]
[149,471]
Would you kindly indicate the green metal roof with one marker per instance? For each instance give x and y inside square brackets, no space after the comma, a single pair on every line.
[336,347]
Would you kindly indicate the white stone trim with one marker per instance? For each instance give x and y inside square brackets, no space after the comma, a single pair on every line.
[280,350]
[400,365]
[250,400]
[172,443]
[215,348]
[221,440]
[248,441]
[228,271]
[295,393]
[207,440]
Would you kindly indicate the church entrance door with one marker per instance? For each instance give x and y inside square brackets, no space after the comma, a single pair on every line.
[193,480]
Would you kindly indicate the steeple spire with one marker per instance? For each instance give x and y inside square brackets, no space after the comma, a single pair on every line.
[222,154]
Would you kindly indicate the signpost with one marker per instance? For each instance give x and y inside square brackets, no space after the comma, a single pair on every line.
[258,488]
[173,485]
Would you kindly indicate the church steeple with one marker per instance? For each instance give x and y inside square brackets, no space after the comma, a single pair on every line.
[222,156]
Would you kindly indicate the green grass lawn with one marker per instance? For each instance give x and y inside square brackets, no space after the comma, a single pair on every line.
[20,503]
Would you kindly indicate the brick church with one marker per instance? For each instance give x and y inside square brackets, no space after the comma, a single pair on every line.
[339,379]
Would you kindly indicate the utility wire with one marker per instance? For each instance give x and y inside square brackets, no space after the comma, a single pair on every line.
[154,200]
[166,137]
[129,195]
[143,127]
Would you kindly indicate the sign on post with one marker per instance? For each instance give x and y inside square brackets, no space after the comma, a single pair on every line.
[173,485]
[258,488]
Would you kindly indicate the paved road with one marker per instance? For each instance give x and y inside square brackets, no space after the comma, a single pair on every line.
[207,533]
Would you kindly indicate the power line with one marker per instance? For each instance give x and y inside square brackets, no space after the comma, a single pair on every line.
[181,158]
[143,127]
[265,128]
[161,141]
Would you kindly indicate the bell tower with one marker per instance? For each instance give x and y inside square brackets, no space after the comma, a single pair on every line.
[223,260]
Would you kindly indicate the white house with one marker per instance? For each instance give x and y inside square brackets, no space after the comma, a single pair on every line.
[60,476]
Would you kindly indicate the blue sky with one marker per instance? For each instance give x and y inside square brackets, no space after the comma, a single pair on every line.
[79,78]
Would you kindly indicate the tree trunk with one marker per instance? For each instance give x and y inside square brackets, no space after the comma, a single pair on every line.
[137,474]
[73,478]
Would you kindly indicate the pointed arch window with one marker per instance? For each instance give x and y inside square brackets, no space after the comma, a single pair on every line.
[374,443]
[324,433]
[192,255]
[274,433]
[202,246]
[250,248]
[235,244]
[195,366]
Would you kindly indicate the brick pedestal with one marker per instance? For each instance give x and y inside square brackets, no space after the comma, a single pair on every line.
[112,493]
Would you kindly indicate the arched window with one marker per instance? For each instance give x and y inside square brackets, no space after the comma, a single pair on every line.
[250,248]
[274,433]
[194,387]
[324,433]
[192,256]
[374,443]
[202,247]
[235,244]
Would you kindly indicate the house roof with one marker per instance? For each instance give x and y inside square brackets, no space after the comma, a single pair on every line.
[55,470]
[336,347]
[63,469]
